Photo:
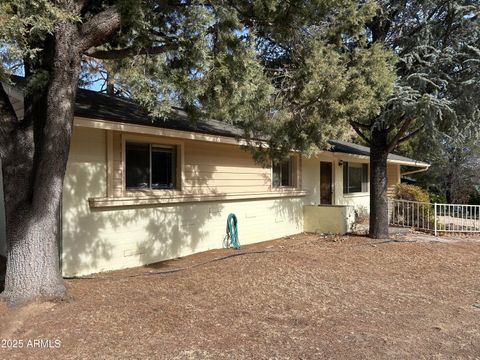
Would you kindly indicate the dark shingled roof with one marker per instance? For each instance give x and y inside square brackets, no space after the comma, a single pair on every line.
[95,105]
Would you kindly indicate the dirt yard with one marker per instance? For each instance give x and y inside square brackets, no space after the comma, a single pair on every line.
[303,297]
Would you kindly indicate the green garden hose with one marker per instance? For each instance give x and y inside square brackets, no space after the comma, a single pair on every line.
[231,239]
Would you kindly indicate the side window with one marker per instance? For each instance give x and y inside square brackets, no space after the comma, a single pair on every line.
[283,174]
[137,165]
[164,167]
[355,177]
[150,166]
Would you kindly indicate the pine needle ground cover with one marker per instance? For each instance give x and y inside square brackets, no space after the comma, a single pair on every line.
[304,297]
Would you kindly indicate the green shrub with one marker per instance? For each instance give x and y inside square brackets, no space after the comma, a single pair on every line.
[437,198]
[411,193]
[475,197]
[412,214]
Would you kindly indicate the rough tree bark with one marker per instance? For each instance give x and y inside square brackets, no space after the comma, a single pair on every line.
[34,158]
[378,184]
[33,172]
[381,144]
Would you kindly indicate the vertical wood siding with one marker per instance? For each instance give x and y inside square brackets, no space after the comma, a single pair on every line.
[208,168]
[393,178]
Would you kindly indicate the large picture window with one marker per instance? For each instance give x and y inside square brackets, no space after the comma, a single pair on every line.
[149,166]
[282,174]
[355,177]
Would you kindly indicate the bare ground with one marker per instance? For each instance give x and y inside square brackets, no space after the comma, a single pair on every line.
[306,297]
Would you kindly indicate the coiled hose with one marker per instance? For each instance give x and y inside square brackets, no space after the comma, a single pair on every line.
[231,238]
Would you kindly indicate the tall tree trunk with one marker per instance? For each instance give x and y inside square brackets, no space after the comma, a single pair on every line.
[33,171]
[378,186]
[34,152]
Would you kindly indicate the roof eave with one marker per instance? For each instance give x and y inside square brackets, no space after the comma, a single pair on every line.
[417,164]
[422,169]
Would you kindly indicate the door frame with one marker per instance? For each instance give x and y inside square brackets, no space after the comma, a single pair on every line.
[332,181]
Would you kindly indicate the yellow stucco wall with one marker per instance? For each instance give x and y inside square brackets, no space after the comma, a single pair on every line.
[360,201]
[311,180]
[105,239]
[334,219]
[101,239]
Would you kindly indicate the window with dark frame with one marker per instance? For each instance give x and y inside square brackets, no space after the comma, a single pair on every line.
[355,177]
[282,174]
[150,166]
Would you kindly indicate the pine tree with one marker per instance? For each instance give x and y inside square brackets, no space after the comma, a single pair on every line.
[454,155]
[437,78]
[211,57]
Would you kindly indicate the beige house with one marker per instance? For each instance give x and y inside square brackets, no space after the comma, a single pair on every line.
[139,190]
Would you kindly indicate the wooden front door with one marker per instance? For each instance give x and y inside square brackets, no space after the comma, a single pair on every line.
[326,183]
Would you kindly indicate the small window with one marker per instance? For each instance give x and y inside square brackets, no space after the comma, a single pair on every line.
[150,166]
[355,177]
[283,174]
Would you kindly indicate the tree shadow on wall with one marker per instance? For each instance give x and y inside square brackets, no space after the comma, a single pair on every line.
[290,210]
[101,239]
[94,239]
[184,228]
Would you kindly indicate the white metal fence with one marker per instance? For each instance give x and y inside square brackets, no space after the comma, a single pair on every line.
[452,218]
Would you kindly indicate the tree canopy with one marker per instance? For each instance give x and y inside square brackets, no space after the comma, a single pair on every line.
[291,74]
[282,71]
[454,155]
[436,44]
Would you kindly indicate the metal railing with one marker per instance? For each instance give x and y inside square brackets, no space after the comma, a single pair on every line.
[452,218]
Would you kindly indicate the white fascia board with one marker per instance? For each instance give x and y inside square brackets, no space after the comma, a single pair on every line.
[150,130]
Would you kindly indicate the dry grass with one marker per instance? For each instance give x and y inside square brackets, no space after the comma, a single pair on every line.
[308,297]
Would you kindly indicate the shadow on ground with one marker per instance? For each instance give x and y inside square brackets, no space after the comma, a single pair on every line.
[306,296]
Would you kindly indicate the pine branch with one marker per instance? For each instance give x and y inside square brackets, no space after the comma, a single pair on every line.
[399,134]
[359,132]
[122,53]
[411,134]
[98,28]
[360,125]
[422,25]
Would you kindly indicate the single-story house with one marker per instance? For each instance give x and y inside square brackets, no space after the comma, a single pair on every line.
[140,190]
